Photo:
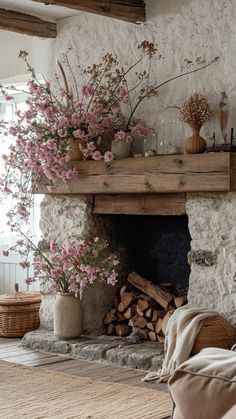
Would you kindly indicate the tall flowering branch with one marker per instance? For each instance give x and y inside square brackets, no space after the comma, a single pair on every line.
[41,137]
[69,268]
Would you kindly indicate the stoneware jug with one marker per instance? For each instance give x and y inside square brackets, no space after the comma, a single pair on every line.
[67,316]
[120,149]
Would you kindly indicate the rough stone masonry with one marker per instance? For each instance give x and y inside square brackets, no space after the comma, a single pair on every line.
[212,257]
[212,225]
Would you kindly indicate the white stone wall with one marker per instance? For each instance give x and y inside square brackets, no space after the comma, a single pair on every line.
[183,30]
[212,225]
[186,29]
[64,217]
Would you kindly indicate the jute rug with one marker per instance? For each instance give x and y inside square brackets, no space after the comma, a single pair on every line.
[32,393]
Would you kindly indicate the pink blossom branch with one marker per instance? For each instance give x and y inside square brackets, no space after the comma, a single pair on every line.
[165,82]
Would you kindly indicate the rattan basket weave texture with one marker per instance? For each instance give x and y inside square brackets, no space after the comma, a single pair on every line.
[215,332]
[19,313]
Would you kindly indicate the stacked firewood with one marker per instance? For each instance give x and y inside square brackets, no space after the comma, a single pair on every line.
[145,308]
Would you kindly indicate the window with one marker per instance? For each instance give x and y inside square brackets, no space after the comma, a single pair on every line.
[10,270]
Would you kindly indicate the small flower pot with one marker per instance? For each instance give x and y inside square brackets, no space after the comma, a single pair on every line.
[75,151]
[67,316]
[120,149]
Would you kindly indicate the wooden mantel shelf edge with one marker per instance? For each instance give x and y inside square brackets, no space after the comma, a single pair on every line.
[213,172]
[149,185]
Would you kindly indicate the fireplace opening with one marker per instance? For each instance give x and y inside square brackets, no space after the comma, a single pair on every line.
[154,246]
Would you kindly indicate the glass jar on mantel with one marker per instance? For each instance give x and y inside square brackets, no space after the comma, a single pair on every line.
[150,143]
[142,146]
[171,132]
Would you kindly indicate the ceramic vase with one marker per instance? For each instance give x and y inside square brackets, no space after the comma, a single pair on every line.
[195,144]
[67,316]
[120,149]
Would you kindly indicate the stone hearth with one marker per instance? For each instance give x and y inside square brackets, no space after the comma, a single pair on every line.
[147,356]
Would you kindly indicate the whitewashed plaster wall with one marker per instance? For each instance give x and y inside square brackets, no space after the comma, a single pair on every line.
[10,45]
[183,29]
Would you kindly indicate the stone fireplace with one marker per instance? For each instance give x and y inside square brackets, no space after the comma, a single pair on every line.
[156,246]
[211,281]
[171,218]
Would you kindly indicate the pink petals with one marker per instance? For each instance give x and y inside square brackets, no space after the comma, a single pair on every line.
[108,156]
[140,129]
[70,268]
[123,136]
[87,91]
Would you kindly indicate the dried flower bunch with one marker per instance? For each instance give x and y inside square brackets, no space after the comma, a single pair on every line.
[195,111]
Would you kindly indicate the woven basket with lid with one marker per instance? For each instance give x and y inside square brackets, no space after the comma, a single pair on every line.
[19,313]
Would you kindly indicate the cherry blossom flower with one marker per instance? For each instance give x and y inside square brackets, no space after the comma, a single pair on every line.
[122,91]
[41,135]
[108,156]
[53,246]
[70,268]
[123,136]
[87,91]
[140,129]
[25,264]
[97,155]
[79,134]
[91,146]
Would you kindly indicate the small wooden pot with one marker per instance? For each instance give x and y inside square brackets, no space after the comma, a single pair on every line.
[75,151]
[195,144]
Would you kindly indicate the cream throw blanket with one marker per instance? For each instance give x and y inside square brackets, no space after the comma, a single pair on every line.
[182,329]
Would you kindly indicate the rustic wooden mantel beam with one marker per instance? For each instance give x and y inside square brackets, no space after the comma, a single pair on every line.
[26,24]
[213,172]
[140,204]
[128,10]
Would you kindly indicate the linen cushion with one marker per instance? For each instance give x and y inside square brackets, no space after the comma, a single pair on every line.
[204,387]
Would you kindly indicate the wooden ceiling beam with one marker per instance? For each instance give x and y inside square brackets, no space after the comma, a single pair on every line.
[13,21]
[128,10]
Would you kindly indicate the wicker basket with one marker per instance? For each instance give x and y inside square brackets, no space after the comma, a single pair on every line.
[19,313]
[215,332]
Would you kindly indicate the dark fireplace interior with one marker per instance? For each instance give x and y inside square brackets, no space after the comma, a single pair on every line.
[156,247]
